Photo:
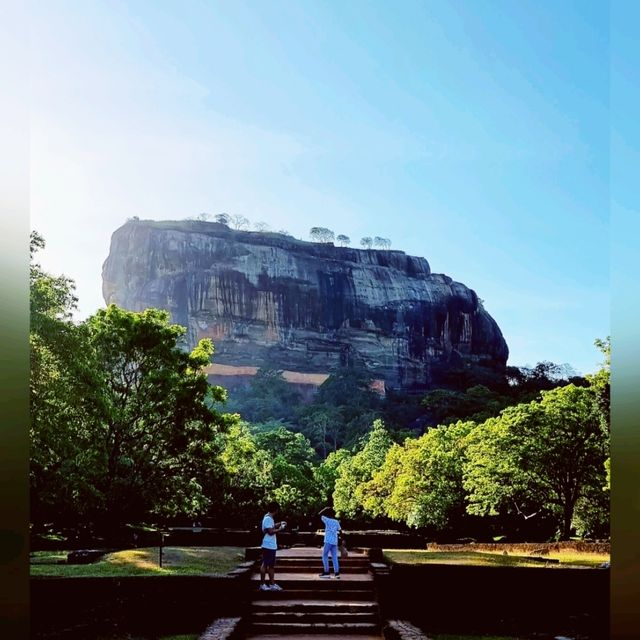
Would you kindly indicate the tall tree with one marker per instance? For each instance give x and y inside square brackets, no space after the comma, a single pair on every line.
[420,483]
[150,414]
[58,440]
[366,242]
[537,457]
[268,396]
[326,473]
[343,240]
[354,472]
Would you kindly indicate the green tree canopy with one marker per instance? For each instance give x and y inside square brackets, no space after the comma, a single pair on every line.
[149,413]
[268,396]
[355,471]
[58,439]
[420,483]
[537,456]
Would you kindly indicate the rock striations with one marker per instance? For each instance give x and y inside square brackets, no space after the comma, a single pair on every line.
[269,299]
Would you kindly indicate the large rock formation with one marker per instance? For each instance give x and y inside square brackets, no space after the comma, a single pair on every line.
[269,299]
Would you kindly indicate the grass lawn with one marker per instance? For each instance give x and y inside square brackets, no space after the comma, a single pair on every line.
[568,558]
[137,562]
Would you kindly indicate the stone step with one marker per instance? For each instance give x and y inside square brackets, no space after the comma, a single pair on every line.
[318,558]
[338,606]
[346,594]
[315,636]
[310,568]
[314,578]
[317,563]
[337,629]
[306,617]
[330,586]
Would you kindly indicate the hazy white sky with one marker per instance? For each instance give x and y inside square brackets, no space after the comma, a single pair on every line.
[473,135]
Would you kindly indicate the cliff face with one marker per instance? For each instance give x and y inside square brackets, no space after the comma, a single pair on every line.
[304,307]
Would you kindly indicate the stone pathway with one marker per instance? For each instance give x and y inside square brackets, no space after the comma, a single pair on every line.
[314,608]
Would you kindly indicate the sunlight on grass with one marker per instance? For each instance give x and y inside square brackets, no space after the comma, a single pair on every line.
[495,558]
[135,558]
[176,560]
[572,557]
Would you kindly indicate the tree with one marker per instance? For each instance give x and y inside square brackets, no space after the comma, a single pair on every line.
[222,218]
[343,240]
[354,472]
[261,226]
[295,448]
[292,471]
[383,243]
[120,419]
[267,397]
[420,483]
[342,411]
[323,425]
[366,242]
[56,394]
[202,217]
[268,465]
[246,481]
[239,222]
[284,232]
[149,414]
[321,234]
[326,473]
[538,457]
[478,403]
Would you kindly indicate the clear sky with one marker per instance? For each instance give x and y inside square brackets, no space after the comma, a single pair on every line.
[475,134]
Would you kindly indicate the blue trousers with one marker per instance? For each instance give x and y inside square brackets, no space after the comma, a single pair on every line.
[333,550]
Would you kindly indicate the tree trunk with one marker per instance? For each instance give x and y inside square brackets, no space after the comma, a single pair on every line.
[566,520]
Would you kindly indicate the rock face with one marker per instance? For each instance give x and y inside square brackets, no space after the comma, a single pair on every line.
[269,299]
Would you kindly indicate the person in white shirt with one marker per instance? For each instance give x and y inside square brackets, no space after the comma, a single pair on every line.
[331,528]
[269,548]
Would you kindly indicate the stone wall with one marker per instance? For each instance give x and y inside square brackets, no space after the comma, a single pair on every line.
[498,600]
[81,608]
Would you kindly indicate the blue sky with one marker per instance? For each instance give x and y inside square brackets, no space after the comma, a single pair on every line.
[475,134]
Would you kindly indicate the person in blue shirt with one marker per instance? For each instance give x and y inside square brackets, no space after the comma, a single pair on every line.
[269,547]
[331,528]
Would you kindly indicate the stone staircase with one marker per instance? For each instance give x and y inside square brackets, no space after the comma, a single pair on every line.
[314,607]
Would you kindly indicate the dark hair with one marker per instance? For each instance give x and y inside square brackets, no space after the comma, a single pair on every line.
[272,507]
[330,513]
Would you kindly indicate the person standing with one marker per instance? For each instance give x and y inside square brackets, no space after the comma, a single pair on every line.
[331,528]
[269,548]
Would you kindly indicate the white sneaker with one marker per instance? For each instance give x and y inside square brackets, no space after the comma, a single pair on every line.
[275,587]
[264,587]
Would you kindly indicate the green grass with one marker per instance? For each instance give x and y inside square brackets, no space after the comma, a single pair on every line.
[137,562]
[492,559]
